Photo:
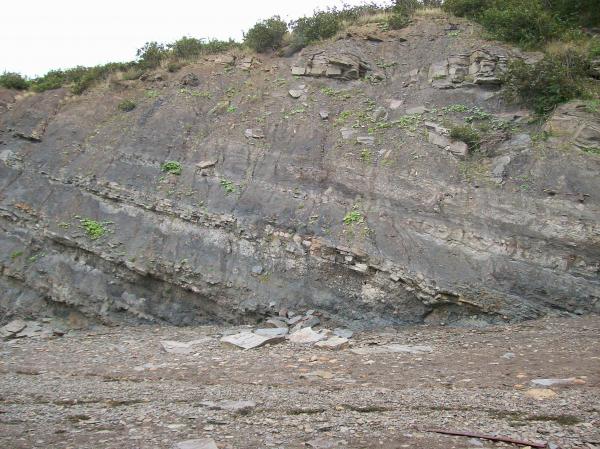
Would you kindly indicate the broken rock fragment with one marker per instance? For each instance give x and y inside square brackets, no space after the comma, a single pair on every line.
[272,332]
[179,347]
[334,343]
[307,336]
[201,443]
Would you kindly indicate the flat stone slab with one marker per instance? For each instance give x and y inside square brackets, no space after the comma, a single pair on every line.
[295,93]
[14,326]
[553,382]
[206,164]
[254,133]
[250,340]
[180,347]
[201,443]
[366,140]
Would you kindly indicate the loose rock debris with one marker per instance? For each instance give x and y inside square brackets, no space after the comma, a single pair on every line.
[106,388]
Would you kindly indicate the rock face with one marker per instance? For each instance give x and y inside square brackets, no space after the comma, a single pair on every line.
[388,229]
[337,64]
[480,67]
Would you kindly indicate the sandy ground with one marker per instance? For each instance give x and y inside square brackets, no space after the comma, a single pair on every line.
[117,388]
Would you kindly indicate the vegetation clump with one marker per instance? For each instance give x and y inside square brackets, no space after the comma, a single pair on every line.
[127,105]
[172,167]
[228,186]
[467,134]
[353,216]
[94,229]
[11,80]
[266,35]
[555,79]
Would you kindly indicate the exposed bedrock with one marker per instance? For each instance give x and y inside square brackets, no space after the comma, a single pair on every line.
[332,198]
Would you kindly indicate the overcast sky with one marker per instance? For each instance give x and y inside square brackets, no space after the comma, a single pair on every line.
[39,35]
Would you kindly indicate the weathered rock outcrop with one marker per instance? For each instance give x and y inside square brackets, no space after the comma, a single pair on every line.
[272,207]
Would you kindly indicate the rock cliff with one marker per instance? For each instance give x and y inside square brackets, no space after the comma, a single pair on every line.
[329,179]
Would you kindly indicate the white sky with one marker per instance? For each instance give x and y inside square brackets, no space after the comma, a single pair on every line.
[40,35]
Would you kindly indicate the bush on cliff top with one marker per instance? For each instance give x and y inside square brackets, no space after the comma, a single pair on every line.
[266,35]
[11,80]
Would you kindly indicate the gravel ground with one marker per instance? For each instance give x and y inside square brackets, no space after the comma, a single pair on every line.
[117,388]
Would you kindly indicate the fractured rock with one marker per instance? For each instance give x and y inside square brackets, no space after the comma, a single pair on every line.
[334,343]
[250,340]
[307,336]
[13,327]
[324,114]
[33,329]
[254,133]
[366,140]
[274,322]
[206,164]
[272,332]
[344,333]
[331,64]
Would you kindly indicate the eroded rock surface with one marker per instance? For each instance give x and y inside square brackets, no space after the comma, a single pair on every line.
[358,215]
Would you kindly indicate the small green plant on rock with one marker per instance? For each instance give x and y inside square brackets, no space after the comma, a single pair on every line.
[94,229]
[172,167]
[228,186]
[366,156]
[16,254]
[354,216]
[127,105]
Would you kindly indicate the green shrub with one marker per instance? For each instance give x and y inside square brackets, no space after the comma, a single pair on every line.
[466,8]
[466,134]
[133,73]
[175,66]
[321,25]
[186,47]
[12,80]
[397,21]
[526,23]
[151,55]
[406,7]
[127,105]
[266,35]
[172,167]
[555,79]
[54,79]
